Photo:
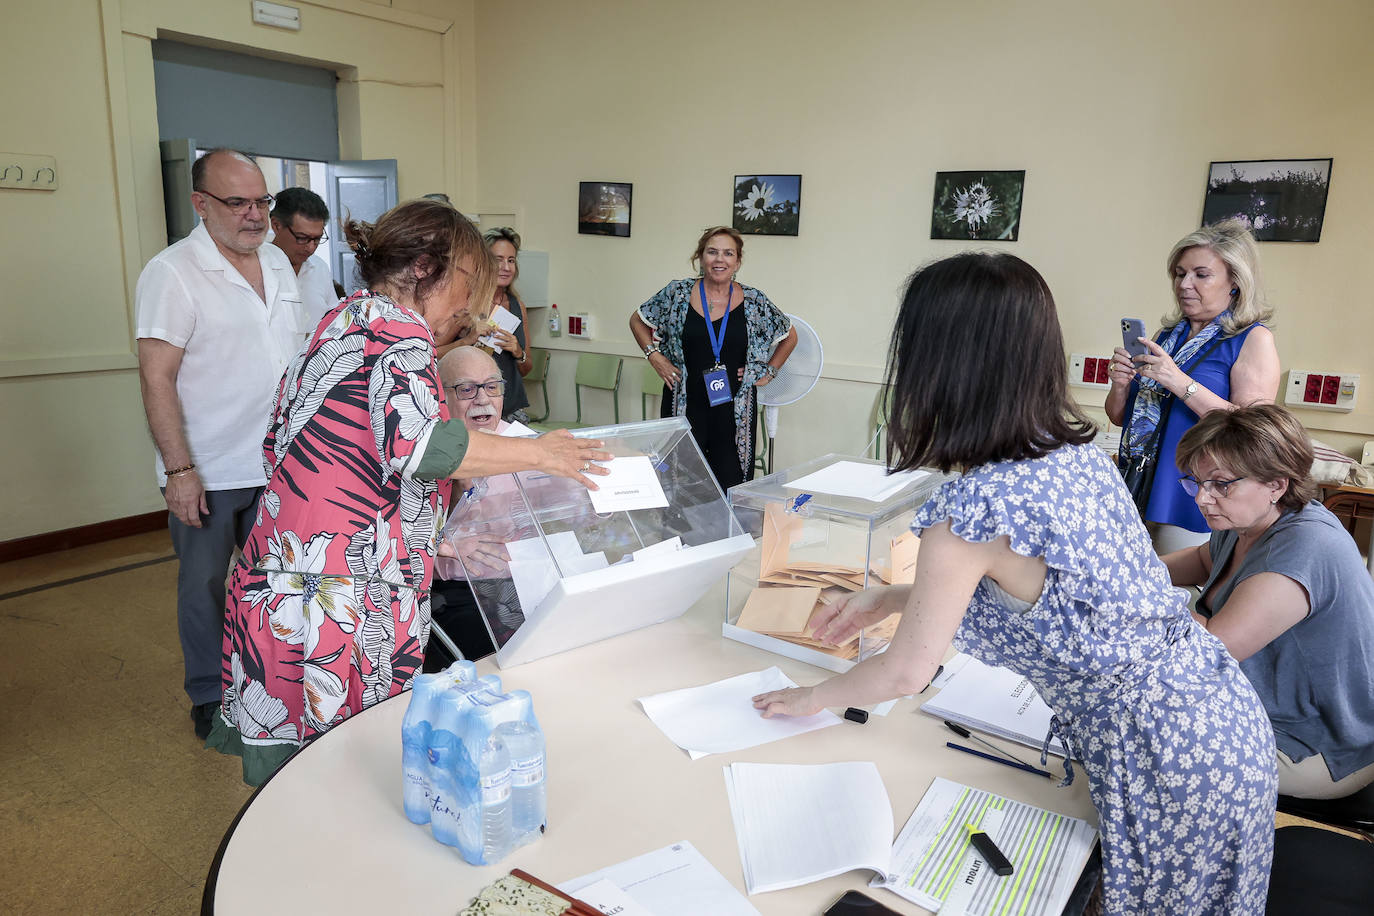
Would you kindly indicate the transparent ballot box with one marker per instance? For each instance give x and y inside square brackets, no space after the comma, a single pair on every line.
[553,566]
[822,529]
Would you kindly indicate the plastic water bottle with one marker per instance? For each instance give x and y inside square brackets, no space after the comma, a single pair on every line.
[495,800]
[446,759]
[525,742]
[416,730]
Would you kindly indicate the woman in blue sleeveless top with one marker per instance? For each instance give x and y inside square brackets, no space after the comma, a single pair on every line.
[1035,558]
[1213,352]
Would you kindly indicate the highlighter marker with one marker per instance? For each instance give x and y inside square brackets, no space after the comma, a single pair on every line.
[989,851]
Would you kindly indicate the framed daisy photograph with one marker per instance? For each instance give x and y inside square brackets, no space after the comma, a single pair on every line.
[977,205]
[603,208]
[767,204]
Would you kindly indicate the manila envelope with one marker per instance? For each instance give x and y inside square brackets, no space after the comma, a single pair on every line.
[779,610]
[904,551]
[780,529]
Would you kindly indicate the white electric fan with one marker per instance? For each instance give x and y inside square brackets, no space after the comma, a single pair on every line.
[795,379]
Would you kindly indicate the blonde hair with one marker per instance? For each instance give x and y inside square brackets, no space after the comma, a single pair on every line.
[1263,442]
[1232,242]
[506,234]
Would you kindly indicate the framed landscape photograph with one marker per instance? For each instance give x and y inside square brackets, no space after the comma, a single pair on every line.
[767,204]
[603,208]
[1281,200]
[977,205]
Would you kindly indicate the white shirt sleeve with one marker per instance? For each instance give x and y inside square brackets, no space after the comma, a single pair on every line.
[163,306]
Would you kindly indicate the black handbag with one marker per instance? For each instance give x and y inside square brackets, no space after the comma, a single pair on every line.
[1139,472]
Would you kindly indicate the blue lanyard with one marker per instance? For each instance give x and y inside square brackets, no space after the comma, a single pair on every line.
[716,343]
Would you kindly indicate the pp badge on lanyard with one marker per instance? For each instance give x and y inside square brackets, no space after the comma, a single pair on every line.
[717,378]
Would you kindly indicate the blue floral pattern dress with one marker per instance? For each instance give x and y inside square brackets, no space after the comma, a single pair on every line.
[1177,748]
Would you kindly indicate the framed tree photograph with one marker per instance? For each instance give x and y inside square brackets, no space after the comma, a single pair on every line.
[977,205]
[603,208]
[1281,200]
[767,204]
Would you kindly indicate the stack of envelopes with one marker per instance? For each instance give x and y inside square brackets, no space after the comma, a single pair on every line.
[791,593]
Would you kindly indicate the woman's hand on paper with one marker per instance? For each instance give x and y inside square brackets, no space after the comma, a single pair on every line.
[566,456]
[794,701]
[835,623]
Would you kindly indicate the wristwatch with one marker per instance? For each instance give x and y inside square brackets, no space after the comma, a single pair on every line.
[1190,390]
[770,370]
[650,350]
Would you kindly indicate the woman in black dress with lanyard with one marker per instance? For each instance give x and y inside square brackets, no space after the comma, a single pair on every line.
[713,341]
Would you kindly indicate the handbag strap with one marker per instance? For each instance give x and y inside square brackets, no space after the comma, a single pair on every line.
[1167,402]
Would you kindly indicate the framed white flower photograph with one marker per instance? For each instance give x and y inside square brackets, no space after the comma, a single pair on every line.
[977,205]
[767,204]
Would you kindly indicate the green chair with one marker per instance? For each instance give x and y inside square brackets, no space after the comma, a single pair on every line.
[538,375]
[650,386]
[594,370]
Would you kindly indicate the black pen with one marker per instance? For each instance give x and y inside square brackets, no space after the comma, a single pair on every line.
[1002,760]
[965,733]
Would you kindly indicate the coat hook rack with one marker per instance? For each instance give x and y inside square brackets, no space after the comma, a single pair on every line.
[28,172]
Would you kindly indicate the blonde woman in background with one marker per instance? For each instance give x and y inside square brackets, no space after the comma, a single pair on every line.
[1213,352]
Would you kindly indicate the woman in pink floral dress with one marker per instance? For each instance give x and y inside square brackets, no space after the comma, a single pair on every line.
[328,608]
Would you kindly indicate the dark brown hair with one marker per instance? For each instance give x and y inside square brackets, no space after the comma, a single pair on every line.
[1263,442]
[429,234]
[712,233]
[976,367]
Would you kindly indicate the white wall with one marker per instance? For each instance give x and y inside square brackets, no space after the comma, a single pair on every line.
[1114,110]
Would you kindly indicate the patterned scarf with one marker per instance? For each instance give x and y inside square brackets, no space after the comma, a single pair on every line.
[1144,419]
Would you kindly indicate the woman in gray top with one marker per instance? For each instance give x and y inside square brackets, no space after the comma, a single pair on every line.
[1284,587]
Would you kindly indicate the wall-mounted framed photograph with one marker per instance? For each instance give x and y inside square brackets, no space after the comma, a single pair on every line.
[977,205]
[767,204]
[1281,200]
[603,208]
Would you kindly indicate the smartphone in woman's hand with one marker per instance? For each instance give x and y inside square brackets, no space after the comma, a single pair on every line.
[1131,330]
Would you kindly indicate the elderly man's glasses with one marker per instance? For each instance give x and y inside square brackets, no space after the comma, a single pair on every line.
[1191,485]
[466,391]
[241,205]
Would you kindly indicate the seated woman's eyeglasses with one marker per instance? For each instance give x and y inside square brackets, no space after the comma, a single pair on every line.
[466,391]
[1191,485]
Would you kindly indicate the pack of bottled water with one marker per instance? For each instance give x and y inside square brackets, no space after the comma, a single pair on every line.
[472,760]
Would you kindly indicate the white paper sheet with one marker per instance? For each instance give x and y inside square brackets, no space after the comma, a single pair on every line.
[720,717]
[609,899]
[857,480]
[672,545]
[534,576]
[504,320]
[632,484]
[673,881]
[516,428]
[797,824]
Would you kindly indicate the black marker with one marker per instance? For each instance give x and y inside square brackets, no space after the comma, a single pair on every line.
[989,851]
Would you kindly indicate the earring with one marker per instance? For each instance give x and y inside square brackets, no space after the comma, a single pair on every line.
[1273,501]
[1235,291]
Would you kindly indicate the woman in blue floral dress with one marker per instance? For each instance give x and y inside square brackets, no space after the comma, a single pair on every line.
[1035,558]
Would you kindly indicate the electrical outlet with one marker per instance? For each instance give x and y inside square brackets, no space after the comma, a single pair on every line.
[580,326]
[1323,391]
[1089,371]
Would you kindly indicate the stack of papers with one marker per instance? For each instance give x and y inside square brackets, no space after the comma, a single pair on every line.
[792,592]
[934,864]
[673,881]
[995,700]
[504,319]
[857,480]
[797,824]
[720,717]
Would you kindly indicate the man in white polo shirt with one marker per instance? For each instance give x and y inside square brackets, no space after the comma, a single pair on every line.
[299,220]
[219,320]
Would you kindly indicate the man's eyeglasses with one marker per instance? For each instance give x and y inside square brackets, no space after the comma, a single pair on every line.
[240,205]
[466,391]
[308,239]
[1191,485]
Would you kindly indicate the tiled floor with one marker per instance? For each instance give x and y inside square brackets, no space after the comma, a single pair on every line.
[110,804]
